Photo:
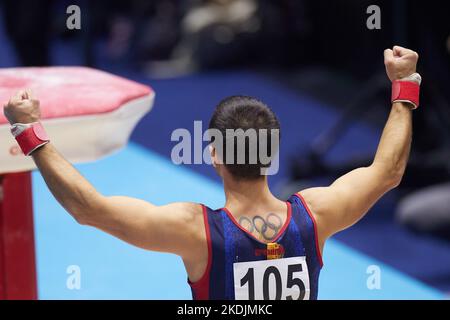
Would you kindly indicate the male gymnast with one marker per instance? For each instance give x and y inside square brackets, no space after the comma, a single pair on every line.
[256,246]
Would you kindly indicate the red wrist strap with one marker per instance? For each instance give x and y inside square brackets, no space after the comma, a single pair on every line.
[32,138]
[405,91]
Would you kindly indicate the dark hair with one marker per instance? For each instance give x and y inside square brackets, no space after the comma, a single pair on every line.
[243,112]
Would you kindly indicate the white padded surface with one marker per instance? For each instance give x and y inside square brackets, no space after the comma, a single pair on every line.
[79,138]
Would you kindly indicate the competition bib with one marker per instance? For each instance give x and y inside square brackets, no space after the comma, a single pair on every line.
[277,279]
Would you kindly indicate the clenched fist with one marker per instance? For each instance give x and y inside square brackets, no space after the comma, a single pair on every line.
[22,108]
[400,62]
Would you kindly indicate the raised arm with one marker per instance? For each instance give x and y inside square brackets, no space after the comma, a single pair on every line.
[177,228]
[167,228]
[349,198]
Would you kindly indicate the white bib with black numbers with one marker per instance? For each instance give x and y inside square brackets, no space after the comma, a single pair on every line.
[277,279]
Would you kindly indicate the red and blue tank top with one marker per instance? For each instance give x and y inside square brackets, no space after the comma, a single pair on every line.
[240,267]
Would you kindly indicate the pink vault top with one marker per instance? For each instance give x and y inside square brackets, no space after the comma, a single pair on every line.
[70,91]
[88,114]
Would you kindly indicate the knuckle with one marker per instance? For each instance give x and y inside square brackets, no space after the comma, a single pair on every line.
[389,62]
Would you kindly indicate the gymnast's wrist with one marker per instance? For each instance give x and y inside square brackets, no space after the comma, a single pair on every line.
[29,136]
[407,90]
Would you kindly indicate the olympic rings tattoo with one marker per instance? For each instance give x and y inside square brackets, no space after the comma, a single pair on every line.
[262,226]
[242,219]
[275,226]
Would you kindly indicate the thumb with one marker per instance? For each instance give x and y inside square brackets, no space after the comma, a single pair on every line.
[29,94]
[404,52]
[399,51]
[24,94]
[16,97]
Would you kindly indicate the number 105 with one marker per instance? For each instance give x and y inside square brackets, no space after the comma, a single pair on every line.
[272,281]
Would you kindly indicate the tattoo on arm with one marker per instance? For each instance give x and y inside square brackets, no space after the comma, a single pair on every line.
[265,227]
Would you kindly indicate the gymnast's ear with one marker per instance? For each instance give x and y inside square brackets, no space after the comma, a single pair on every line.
[213,154]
